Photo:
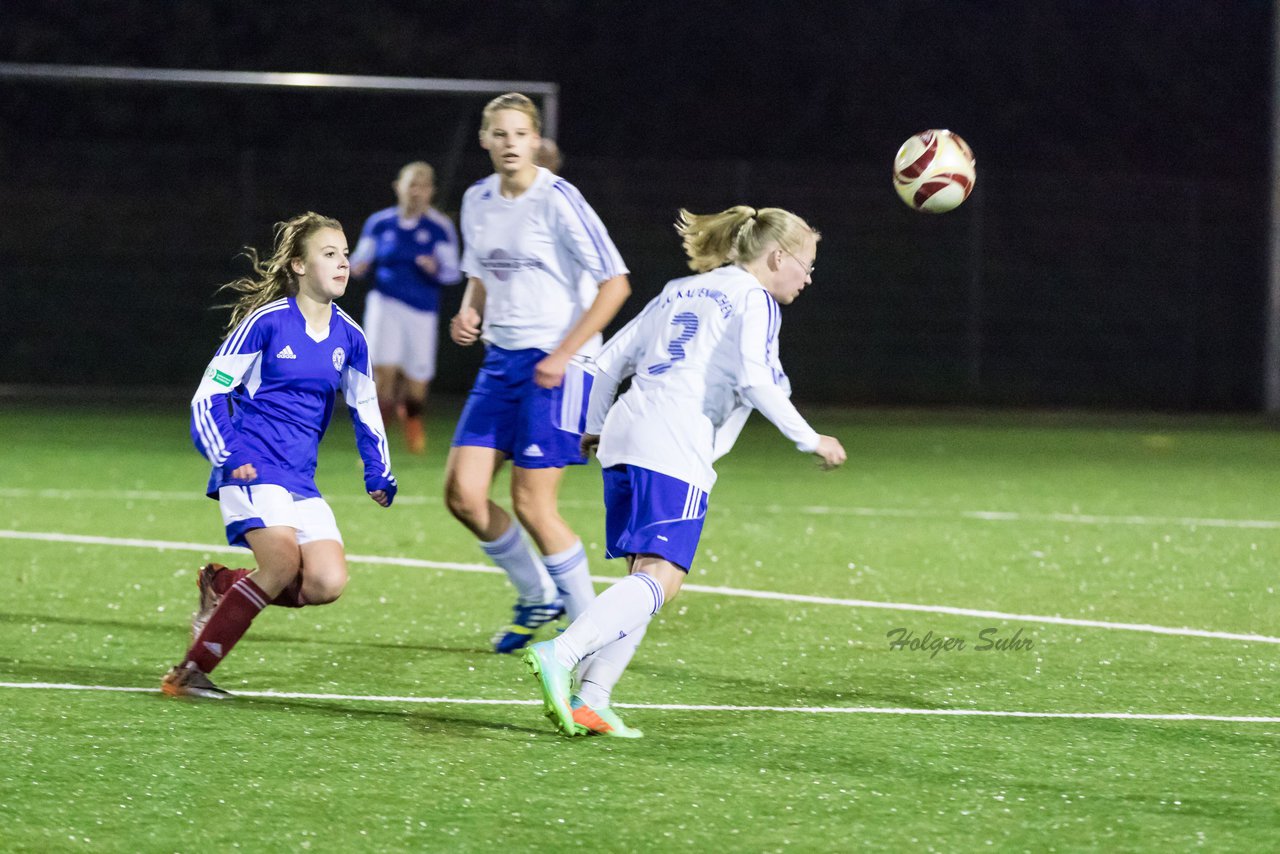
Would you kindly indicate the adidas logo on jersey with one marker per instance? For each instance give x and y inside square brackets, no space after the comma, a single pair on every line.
[533,451]
[286,353]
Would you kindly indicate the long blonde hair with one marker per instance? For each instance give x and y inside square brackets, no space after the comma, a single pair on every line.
[739,234]
[274,278]
[511,101]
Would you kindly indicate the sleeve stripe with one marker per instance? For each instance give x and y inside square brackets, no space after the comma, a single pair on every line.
[236,339]
[198,420]
[215,447]
[348,318]
[599,241]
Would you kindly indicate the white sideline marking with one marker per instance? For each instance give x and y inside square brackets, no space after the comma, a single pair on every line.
[680,707]
[696,588]
[812,510]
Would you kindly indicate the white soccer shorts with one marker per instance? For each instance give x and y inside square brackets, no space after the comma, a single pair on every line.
[244,506]
[401,336]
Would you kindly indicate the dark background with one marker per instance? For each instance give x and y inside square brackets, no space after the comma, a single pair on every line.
[1113,254]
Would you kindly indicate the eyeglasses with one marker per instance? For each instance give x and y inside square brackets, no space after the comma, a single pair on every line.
[808,270]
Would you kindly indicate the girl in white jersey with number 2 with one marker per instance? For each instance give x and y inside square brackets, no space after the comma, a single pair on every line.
[529,237]
[701,356]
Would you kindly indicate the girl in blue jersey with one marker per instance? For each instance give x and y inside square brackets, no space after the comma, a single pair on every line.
[258,416]
[530,239]
[700,356]
[412,250]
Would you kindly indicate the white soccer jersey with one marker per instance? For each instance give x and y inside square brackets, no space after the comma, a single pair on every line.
[701,355]
[533,253]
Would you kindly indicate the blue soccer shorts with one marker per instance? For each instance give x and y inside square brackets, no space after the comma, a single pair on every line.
[537,428]
[651,513]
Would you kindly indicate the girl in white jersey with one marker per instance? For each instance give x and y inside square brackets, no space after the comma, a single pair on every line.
[701,356]
[529,239]
[258,416]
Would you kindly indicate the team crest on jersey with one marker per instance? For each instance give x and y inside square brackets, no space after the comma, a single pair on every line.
[422,236]
[338,356]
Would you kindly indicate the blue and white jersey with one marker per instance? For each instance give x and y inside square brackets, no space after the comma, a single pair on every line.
[541,257]
[267,396]
[393,246]
[701,355]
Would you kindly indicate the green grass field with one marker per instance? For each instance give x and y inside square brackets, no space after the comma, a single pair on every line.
[771,723]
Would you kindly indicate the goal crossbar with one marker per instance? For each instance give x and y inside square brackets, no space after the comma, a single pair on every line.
[90,74]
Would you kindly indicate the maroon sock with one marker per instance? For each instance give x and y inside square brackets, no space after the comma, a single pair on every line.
[227,625]
[291,596]
[224,578]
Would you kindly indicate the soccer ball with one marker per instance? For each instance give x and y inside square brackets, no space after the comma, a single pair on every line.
[933,171]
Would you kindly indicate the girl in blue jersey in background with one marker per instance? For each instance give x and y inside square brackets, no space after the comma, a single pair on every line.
[529,239]
[412,250]
[258,416]
[701,355]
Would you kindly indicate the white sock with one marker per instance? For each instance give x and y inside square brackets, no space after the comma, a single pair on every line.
[572,577]
[511,552]
[602,669]
[615,613]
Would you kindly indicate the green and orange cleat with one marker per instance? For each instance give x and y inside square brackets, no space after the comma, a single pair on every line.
[600,721]
[553,679]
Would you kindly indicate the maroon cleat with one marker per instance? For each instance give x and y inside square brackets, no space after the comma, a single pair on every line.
[209,599]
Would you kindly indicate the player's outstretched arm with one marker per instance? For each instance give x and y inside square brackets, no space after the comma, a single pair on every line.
[830,453]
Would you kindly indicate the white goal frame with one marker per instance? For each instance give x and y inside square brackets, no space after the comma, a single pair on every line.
[106,74]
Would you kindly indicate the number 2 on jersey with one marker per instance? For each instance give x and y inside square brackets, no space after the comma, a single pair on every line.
[688,321]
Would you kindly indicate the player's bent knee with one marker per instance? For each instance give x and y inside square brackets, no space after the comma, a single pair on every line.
[325,591]
[466,505]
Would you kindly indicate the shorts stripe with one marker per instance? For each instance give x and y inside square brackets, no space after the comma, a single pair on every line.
[692,502]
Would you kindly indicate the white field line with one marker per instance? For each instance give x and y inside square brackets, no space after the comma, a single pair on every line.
[679,707]
[778,509]
[208,548]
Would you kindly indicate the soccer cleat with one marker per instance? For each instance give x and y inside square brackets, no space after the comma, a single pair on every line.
[553,678]
[208,598]
[187,680]
[524,622]
[601,721]
[415,434]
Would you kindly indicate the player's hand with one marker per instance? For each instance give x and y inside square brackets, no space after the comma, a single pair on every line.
[245,472]
[830,453]
[549,373]
[590,441]
[381,489]
[428,264]
[359,270]
[464,329]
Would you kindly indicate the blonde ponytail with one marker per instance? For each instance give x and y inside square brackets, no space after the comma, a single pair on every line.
[739,234]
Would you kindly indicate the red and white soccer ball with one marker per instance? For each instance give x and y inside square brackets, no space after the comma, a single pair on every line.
[934,171]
